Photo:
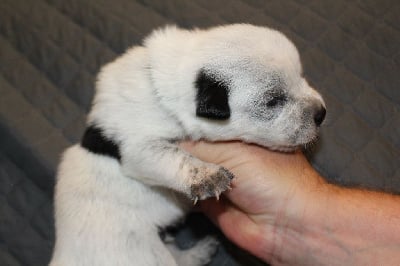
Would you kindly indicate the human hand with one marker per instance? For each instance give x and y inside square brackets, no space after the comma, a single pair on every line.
[269,189]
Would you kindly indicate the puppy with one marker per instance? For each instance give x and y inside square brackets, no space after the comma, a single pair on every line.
[128,178]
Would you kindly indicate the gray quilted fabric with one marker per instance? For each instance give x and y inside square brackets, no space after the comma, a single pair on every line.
[50,51]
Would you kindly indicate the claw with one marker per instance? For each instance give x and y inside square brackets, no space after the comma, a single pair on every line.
[217,195]
[195,200]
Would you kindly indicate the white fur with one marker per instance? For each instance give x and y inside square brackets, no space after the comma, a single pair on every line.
[109,212]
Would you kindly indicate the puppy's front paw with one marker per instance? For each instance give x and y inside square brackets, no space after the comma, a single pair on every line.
[211,185]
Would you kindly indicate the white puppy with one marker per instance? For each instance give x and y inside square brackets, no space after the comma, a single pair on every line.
[128,178]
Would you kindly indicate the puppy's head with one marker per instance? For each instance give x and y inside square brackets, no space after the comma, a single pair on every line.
[235,82]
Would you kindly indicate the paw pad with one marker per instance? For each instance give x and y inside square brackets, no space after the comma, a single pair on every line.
[212,185]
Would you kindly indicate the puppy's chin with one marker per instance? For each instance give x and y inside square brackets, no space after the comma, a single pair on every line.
[292,148]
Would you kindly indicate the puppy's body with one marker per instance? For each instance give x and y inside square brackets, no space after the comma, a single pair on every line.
[128,178]
[104,218]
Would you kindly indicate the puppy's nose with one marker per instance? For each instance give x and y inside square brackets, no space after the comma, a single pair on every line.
[319,115]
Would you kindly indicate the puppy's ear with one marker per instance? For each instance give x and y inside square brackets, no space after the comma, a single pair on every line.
[212,97]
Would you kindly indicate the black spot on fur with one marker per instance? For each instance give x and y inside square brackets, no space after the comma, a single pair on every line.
[212,97]
[94,141]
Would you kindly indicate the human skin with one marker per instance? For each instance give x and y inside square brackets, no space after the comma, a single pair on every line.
[282,211]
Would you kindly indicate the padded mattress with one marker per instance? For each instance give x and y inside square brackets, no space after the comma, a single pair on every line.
[51,50]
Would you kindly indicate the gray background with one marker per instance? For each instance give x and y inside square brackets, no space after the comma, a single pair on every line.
[50,51]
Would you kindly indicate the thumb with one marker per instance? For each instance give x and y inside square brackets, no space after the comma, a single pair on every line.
[234,223]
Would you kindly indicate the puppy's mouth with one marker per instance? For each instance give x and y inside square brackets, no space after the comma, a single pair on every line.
[289,148]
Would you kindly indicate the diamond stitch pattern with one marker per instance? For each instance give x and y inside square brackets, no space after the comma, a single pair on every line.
[51,50]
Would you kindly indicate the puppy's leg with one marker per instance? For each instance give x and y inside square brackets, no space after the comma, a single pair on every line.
[164,164]
[198,255]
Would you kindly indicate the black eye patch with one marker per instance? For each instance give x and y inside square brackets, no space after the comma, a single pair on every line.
[212,97]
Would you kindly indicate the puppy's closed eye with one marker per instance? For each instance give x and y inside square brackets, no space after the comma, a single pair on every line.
[276,100]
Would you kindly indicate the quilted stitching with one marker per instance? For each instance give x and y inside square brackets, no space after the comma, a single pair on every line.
[51,50]
[26,211]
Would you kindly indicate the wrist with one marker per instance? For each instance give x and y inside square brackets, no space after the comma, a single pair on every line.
[298,230]
[331,225]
